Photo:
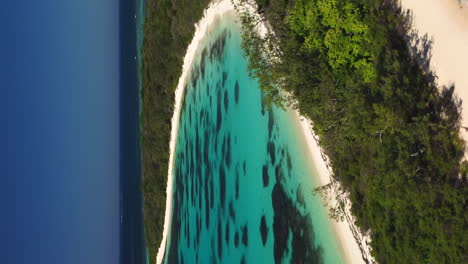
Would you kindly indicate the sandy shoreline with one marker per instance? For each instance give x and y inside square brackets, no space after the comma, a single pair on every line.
[446,21]
[214,11]
[354,245]
[441,19]
[350,249]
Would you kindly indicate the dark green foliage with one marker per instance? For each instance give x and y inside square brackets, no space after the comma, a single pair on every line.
[169,28]
[391,134]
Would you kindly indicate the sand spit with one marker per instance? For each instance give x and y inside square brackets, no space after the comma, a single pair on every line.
[214,11]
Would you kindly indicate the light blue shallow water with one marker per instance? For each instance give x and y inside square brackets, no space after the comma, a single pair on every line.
[243,182]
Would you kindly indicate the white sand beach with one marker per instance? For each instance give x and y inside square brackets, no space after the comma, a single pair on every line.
[446,21]
[343,231]
[354,244]
[215,11]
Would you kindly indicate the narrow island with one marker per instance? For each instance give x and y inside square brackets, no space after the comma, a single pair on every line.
[382,135]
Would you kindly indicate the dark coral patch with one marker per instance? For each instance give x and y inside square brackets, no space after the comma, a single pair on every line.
[224,78]
[220,239]
[217,48]
[211,194]
[213,253]
[278,173]
[207,209]
[228,155]
[245,235]
[227,234]
[190,116]
[265,175]
[289,162]
[236,239]
[232,213]
[288,221]
[271,151]
[243,260]
[223,148]
[194,78]
[222,183]
[226,101]
[206,146]
[237,186]
[300,196]
[271,122]
[187,233]
[263,229]
[202,63]
[219,118]
[236,92]
[198,227]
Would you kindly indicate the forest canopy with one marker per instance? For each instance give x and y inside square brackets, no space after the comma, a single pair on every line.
[336,31]
[391,134]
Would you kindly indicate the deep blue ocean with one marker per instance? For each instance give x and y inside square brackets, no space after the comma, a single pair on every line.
[69,133]
[132,243]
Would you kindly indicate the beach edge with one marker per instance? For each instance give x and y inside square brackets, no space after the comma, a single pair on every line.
[352,242]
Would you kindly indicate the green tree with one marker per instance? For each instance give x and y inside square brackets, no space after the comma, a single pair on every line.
[337,30]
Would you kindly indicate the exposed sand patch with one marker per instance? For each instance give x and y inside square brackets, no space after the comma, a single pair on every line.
[446,21]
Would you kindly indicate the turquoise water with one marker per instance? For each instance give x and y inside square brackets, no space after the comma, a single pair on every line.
[243,182]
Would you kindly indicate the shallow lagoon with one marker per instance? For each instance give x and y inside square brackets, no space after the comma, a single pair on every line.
[243,179]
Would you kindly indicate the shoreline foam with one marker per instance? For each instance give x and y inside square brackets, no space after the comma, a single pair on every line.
[344,234]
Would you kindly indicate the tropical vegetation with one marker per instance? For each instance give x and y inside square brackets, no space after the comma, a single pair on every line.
[359,71]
